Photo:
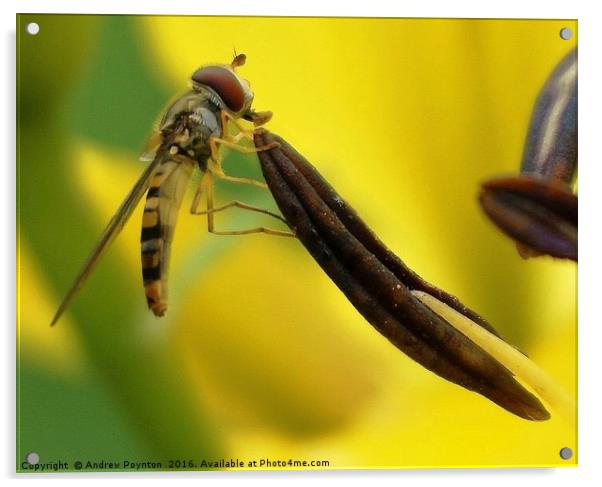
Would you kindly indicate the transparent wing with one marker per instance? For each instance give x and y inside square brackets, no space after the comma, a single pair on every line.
[113,228]
[152,147]
[170,199]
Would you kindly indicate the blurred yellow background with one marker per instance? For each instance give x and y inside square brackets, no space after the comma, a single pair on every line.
[260,355]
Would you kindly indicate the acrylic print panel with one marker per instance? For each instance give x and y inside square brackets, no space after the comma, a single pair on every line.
[268,353]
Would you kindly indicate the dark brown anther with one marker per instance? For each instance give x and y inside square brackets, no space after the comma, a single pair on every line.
[379,284]
[538,209]
[550,151]
[541,216]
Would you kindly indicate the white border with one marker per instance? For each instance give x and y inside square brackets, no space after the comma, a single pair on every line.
[373,8]
[590,322]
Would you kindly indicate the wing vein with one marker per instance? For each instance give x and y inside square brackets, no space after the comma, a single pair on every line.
[114,226]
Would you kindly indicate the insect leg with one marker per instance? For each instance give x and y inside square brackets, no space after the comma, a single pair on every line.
[207,186]
[214,141]
[258,119]
[243,132]
[234,179]
[216,168]
[196,201]
[231,142]
[237,204]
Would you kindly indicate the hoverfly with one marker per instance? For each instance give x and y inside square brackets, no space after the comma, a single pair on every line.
[190,133]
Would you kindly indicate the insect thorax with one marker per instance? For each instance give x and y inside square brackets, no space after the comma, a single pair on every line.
[190,121]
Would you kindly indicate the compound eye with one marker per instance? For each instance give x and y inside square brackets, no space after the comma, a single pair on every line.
[225,83]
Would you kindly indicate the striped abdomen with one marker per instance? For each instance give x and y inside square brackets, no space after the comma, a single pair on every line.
[163,200]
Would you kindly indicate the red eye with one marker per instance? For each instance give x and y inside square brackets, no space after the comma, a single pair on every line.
[225,83]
